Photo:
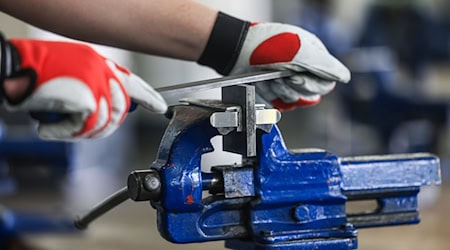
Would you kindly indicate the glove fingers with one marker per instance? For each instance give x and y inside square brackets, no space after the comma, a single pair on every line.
[264,91]
[310,85]
[52,97]
[118,111]
[288,94]
[327,67]
[259,99]
[77,125]
[312,100]
[281,95]
[315,58]
[289,98]
[140,91]
[284,92]
[63,130]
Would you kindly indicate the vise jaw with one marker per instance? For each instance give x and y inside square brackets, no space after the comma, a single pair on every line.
[277,198]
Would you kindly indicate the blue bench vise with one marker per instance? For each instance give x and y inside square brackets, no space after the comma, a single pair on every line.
[275,198]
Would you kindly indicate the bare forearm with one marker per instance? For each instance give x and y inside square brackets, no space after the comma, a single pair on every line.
[172,28]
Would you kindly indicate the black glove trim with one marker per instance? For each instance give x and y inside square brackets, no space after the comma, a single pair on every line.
[10,68]
[3,58]
[225,43]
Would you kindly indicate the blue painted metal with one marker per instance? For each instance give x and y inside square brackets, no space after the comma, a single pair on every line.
[281,199]
[13,224]
[28,152]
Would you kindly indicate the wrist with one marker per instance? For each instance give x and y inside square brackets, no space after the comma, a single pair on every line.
[224,43]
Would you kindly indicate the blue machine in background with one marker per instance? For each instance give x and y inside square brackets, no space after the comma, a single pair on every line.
[394,39]
[26,162]
[396,29]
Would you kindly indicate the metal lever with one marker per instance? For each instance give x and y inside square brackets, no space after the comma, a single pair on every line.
[142,185]
[100,209]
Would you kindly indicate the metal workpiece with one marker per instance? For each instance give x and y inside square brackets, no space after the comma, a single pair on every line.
[242,142]
[231,119]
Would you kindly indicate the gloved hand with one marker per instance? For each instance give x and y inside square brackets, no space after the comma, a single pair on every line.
[69,78]
[236,46]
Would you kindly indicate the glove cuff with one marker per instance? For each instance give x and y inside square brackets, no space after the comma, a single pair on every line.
[5,59]
[225,43]
[10,66]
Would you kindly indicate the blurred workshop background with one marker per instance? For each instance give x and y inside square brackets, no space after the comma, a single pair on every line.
[398,101]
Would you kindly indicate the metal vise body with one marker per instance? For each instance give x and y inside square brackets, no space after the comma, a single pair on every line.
[279,199]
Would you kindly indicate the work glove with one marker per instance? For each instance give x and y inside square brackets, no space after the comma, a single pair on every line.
[236,46]
[91,93]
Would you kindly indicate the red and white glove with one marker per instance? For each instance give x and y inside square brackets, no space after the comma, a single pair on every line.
[236,46]
[72,79]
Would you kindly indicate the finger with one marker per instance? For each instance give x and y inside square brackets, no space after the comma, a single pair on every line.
[284,92]
[259,99]
[321,63]
[119,109]
[63,130]
[140,91]
[301,102]
[61,94]
[310,85]
[97,121]
[283,97]
[77,125]
[264,90]
[288,95]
